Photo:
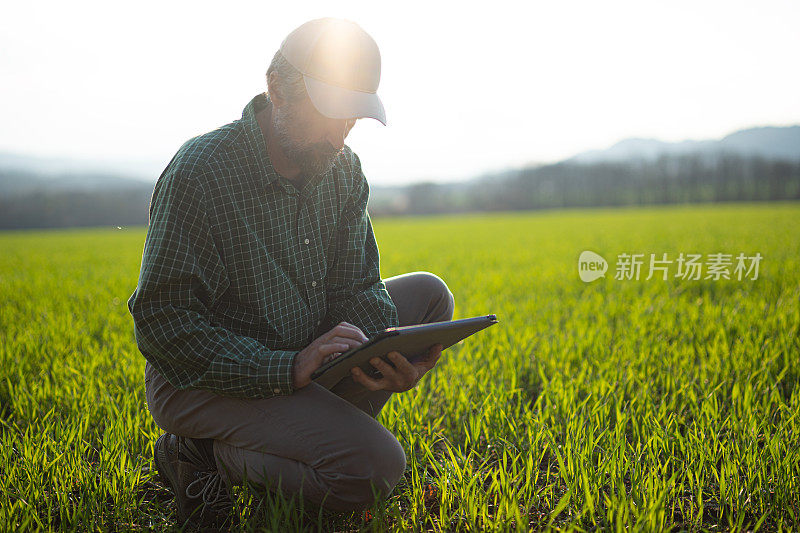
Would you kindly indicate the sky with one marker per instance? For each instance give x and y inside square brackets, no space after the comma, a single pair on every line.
[467,91]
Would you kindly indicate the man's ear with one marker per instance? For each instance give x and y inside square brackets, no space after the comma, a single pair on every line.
[275,89]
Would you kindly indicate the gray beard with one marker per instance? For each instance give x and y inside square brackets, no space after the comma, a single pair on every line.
[311,159]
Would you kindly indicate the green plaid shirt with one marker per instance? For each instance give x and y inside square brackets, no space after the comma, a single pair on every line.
[241,269]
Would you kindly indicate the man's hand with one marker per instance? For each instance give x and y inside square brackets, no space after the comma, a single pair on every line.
[403,377]
[326,347]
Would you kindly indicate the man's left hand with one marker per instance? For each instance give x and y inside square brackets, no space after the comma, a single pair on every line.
[404,376]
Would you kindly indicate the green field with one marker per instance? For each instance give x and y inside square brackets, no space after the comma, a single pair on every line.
[617,404]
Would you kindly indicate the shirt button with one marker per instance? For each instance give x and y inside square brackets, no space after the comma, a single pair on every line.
[276,391]
[313,283]
[306,241]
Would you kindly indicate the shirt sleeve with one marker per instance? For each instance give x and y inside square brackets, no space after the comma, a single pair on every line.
[182,276]
[354,288]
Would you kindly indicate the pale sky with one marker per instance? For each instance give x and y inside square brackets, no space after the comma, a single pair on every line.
[466,90]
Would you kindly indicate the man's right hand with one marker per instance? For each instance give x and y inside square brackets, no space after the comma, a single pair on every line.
[329,345]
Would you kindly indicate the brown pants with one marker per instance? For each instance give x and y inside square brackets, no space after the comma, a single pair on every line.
[324,445]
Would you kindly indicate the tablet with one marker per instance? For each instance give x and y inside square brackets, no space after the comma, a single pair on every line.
[411,341]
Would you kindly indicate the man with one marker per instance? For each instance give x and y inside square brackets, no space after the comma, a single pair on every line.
[259,264]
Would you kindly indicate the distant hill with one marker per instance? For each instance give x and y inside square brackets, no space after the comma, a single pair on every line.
[54,193]
[16,183]
[757,164]
[771,142]
[23,173]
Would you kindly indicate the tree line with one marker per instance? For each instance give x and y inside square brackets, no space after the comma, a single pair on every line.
[64,209]
[668,179]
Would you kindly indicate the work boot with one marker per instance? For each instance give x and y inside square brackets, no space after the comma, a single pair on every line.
[188,466]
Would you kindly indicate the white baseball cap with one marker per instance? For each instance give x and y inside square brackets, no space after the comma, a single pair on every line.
[341,67]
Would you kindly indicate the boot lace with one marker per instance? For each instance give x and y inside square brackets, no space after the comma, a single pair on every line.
[210,486]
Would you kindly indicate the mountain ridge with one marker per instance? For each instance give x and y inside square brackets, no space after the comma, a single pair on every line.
[769,142]
[24,174]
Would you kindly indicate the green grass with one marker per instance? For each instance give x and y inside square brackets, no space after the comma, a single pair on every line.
[618,405]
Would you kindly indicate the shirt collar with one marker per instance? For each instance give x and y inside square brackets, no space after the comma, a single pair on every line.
[258,147]
[254,137]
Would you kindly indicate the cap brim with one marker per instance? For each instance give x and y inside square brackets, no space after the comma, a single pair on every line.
[336,102]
